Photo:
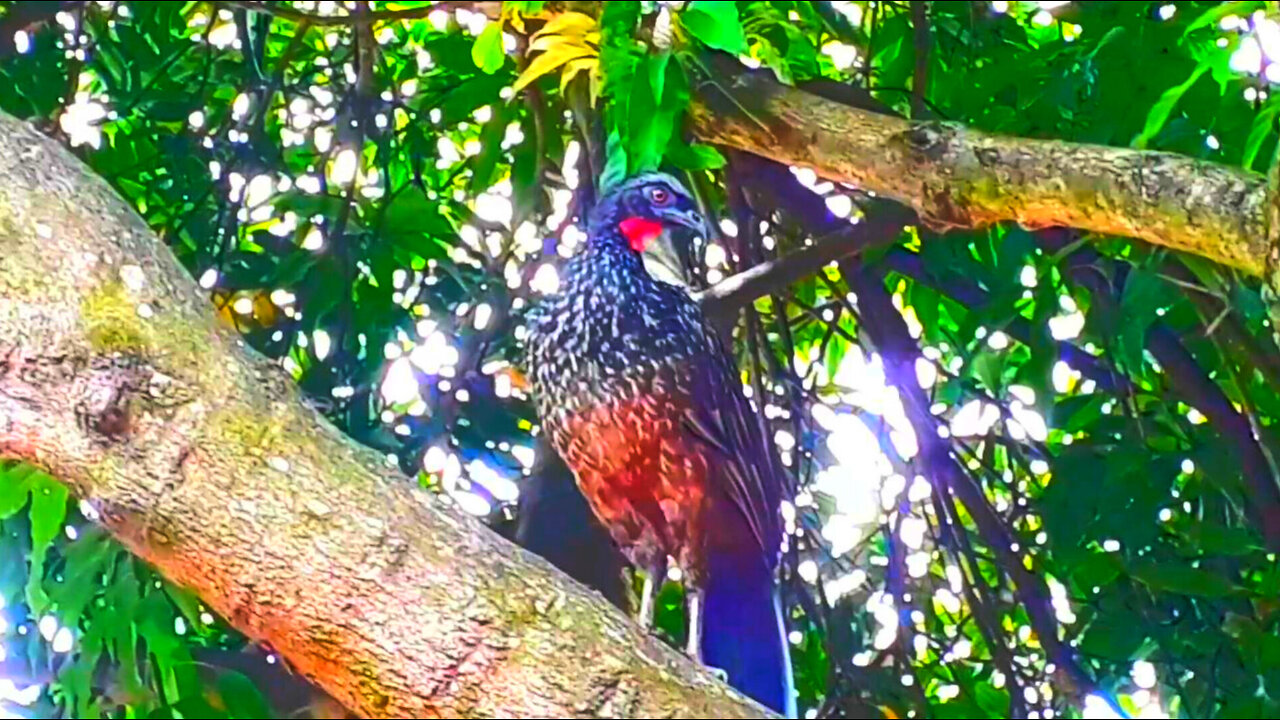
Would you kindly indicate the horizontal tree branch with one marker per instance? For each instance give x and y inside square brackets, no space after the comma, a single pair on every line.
[957,177]
[769,188]
[200,456]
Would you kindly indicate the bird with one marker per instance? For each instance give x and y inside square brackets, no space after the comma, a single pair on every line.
[640,397]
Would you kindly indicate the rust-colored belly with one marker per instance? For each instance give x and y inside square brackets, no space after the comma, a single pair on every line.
[642,475]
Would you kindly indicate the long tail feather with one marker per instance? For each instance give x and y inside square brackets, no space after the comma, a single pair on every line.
[743,632]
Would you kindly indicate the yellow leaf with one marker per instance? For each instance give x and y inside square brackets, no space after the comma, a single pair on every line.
[517,18]
[597,83]
[573,67]
[569,23]
[548,61]
[546,42]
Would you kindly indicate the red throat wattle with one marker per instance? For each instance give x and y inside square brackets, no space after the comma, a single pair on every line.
[639,232]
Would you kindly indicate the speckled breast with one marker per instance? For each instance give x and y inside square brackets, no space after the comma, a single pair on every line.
[611,385]
[641,472]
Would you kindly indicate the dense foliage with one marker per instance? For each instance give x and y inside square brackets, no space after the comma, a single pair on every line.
[1023,459]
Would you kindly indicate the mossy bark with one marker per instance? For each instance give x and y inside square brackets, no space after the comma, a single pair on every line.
[958,177]
[201,456]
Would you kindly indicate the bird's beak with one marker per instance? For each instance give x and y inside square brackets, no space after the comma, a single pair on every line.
[693,220]
[667,258]
[670,256]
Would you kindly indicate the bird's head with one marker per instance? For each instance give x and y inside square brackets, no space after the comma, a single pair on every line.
[658,219]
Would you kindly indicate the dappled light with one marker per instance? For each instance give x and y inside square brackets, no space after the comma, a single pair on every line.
[1021,463]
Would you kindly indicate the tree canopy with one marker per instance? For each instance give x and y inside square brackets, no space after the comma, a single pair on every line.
[996,275]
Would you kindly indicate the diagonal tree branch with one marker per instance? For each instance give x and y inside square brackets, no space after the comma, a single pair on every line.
[888,331]
[771,276]
[200,456]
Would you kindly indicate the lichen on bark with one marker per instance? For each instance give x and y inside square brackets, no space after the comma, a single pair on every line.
[202,458]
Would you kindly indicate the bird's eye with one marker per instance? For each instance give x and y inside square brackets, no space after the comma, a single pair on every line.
[659,196]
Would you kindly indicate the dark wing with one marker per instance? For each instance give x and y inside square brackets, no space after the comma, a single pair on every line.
[745,469]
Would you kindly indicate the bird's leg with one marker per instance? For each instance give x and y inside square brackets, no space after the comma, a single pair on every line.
[649,595]
[693,604]
[694,647]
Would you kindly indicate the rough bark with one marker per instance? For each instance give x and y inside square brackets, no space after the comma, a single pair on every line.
[201,457]
[957,177]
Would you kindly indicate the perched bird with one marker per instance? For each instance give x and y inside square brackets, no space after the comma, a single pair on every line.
[643,402]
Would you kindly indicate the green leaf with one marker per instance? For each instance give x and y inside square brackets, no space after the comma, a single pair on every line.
[615,166]
[488,52]
[414,223]
[243,699]
[1172,577]
[460,103]
[1214,15]
[658,74]
[1208,273]
[524,174]
[650,124]
[1264,123]
[619,18]
[87,559]
[187,602]
[1111,36]
[1068,508]
[694,157]
[1096,570]
[1114,638]
[14,488]
[988,367]
[485,164]
[1230,541]
[1145,293]
[716,24]
[48,513]
[1159,113]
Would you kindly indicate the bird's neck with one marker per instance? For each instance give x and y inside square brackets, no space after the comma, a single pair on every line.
[607,259]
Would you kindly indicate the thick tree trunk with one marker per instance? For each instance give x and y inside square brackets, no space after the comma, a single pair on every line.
[202,458]
[957,177]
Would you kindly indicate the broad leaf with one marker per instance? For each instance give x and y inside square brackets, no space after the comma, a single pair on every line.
[716,24]
[488,52]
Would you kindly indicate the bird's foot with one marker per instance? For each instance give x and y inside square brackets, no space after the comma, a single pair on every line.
[721,674]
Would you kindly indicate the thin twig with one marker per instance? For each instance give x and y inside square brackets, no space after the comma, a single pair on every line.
[489,9]
[28,17]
